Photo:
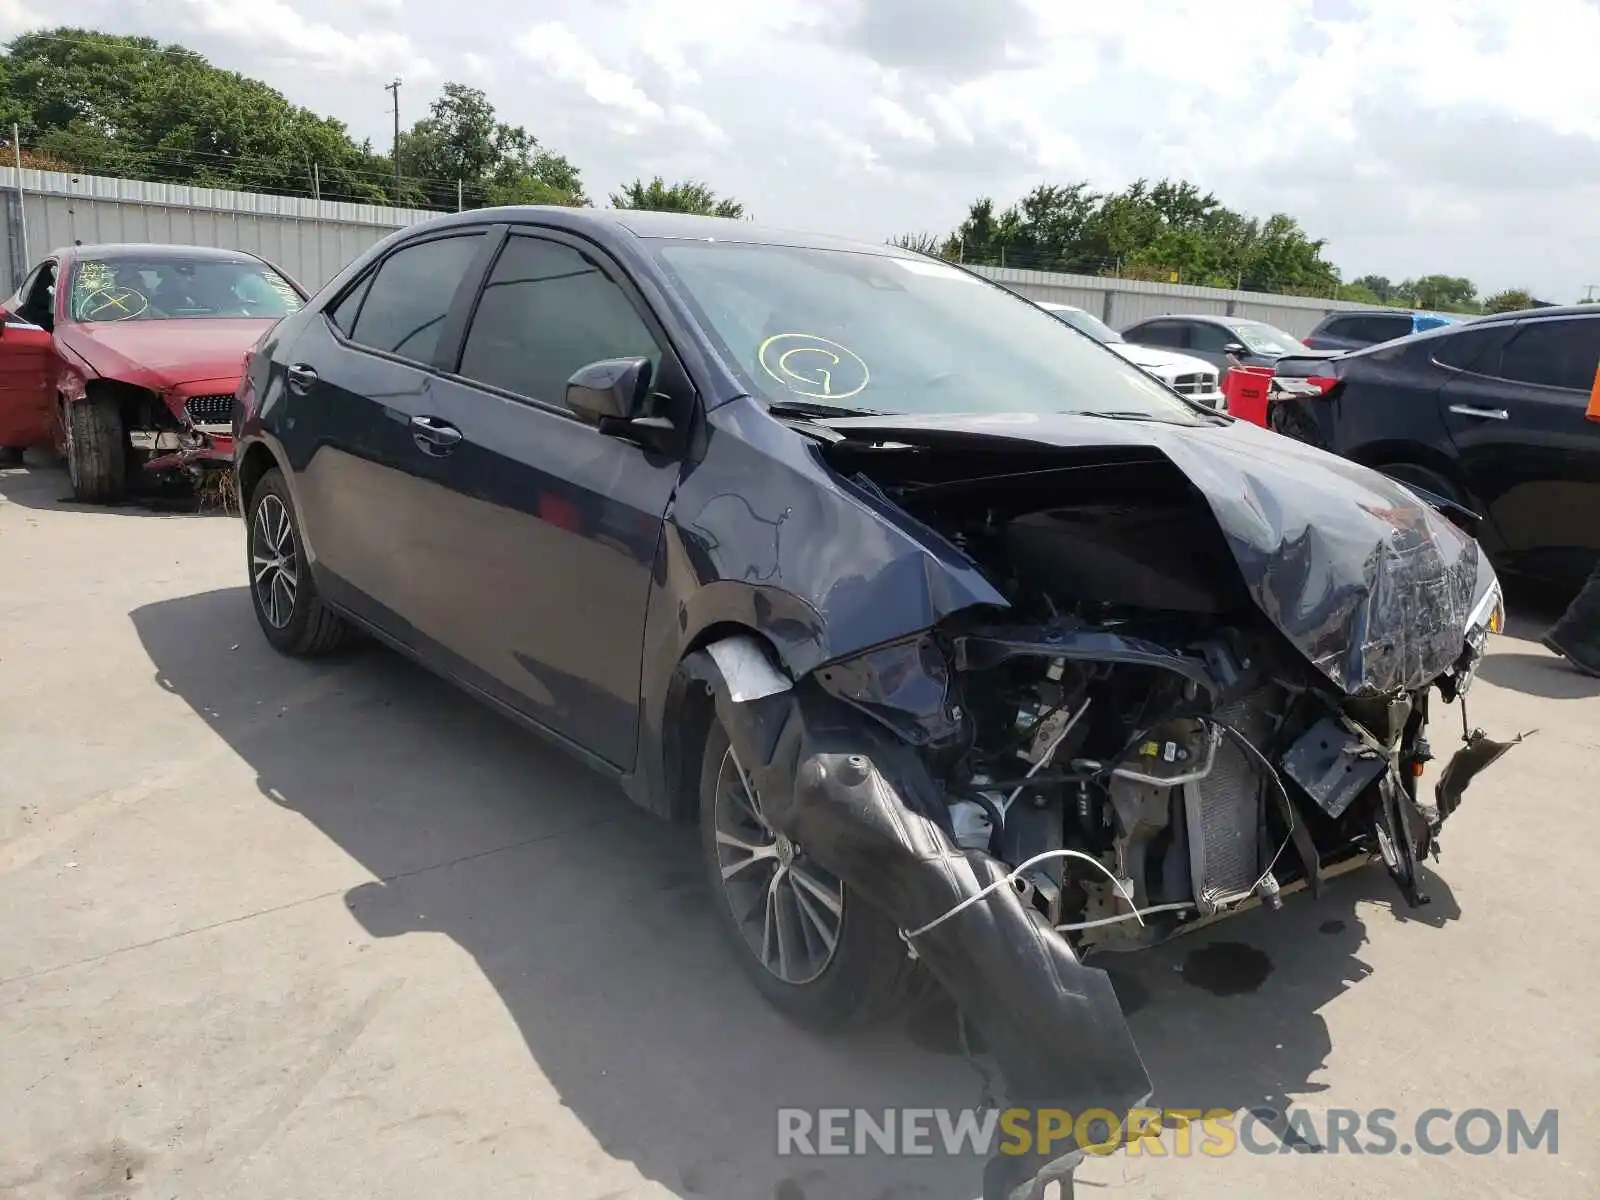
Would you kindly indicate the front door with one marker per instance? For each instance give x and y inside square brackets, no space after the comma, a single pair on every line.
[538,533]
[1517,421]
[26,352]
[27,358]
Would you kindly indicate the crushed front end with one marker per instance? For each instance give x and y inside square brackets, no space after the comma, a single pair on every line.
[1212,685]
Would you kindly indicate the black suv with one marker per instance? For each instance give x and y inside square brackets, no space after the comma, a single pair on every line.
[1358,330]
[1488,413]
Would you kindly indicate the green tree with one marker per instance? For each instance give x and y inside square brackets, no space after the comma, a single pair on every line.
[1447,293]
[920,243]
[1378,285]
[132,106]
[462,139]
[1510,300]
[1151,231]
[685,196]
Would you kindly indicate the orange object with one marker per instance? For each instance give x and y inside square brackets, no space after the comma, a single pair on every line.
[1594,398]
[1245,389]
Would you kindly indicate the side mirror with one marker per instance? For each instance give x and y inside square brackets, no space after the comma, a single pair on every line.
[611,389]
[611,394]
[1236,349]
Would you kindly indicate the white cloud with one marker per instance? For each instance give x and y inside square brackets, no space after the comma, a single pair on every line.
[556,49]
[1427,135]
[15,19]
[281,29]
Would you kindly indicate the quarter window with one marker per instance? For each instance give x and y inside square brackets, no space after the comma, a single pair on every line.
[409,298]
[546,311]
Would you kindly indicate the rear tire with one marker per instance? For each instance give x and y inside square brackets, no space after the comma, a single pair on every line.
[1422,477]
[291,614]
[11,456]
[866,977]
[97,450]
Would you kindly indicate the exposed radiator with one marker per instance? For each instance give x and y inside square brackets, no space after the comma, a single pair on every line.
[1224,810]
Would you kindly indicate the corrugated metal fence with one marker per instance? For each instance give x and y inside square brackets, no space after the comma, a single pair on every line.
[312,240]
[309,239]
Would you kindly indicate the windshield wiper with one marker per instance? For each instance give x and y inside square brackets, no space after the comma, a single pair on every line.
[813,408]
[1121,414]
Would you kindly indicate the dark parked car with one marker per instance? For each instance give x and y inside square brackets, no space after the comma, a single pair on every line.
[1358,330]
[952,629]
[1214,338]
[1488,414]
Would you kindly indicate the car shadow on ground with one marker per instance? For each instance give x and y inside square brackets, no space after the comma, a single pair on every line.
[591,920]
[1534,608]
[44,484]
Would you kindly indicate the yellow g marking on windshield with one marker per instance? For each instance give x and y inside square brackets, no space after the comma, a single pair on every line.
[813,366]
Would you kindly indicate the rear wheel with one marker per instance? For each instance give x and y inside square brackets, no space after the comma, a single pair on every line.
[97,450]
[291,614]
[819,955]
[11,456]
[1427,480]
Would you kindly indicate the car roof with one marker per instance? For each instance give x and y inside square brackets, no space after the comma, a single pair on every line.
[1210,318]
[1553,310]
[663,225]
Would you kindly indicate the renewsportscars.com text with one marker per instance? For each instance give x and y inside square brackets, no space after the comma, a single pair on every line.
[1215,1133]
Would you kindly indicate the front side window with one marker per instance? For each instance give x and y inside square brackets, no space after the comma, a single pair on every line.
[170,287]
[865,332]
[1209,339]
[409,297]
[546,311]
[1560,354]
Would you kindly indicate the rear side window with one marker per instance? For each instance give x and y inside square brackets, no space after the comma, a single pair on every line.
[1160,333]
[1375,329]
[546,311]
[1470,349]
[406,303]
[1562,354]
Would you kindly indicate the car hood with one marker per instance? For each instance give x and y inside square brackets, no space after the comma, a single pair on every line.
[1370,583]
[1164,361]
[163,354]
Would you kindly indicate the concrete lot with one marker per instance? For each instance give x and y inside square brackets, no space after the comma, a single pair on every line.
[289,931]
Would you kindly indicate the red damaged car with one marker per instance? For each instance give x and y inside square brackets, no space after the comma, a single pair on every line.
[126,358]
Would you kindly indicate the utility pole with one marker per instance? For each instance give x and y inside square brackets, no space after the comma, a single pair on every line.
[394,89]
[22,203]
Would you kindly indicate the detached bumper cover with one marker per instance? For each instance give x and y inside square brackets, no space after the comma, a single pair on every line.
[864,807]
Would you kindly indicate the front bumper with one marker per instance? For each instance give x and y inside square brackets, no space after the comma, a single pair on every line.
[201,445]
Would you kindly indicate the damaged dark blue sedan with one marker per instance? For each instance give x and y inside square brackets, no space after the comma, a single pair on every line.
[971,648]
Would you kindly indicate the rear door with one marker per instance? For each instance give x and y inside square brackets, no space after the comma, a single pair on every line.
[537,533]
[353,379]
[1516,416]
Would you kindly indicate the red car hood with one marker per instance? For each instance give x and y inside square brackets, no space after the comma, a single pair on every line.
[163,354]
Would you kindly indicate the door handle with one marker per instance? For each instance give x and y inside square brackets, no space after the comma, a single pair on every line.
[1488,414]
[301,379]
[434,436]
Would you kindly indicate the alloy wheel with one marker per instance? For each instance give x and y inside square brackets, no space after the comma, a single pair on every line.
[789,910]
[274,564]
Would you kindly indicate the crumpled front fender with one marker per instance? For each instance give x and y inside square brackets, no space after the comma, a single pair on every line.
[865,807]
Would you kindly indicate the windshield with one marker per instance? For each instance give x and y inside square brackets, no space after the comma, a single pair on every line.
[1095,328]
[1261,338]
[172,288]
[865,332]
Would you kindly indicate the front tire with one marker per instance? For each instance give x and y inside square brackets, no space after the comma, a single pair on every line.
[288,609]
[816,953]
[97,450]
